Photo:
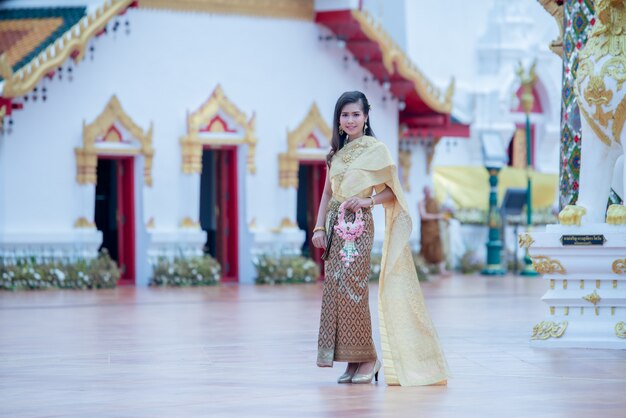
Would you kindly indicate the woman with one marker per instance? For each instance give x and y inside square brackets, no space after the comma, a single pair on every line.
[358,165]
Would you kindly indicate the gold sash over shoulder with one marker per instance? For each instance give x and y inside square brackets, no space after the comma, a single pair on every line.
[411,352]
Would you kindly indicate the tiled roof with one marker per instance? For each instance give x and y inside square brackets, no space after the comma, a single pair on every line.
[24,33]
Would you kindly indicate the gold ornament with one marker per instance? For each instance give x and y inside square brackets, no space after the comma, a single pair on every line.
[619,267]
[193,143]
[87,155]
[312,127]
[525,240]
[545,265]
[572,214]
[593,297]
[548,329]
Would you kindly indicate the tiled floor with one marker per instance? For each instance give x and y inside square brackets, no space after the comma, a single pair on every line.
[250,352]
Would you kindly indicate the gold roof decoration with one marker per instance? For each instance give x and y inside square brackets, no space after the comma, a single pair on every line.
[313,121]
[217,104]
[282,9]
[396,60]
[299,143]
[72,44]
[86,156]
[113,112]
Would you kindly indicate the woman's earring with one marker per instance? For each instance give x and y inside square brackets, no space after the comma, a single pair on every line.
[340,130]
[364,128]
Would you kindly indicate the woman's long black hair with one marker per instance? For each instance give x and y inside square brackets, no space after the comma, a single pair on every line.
[348,97]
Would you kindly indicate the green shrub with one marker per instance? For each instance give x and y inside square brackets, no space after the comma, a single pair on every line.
[186,271]
[28,273]
[272,269]
[470,263]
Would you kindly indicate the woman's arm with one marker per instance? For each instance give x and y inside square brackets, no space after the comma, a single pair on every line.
[319,237]
[355,203]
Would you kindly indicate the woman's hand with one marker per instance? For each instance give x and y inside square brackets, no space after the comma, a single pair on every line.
[356,203]
[319,239]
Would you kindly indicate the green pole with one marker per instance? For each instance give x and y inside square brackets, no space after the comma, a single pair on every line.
[494,244]
[528,270]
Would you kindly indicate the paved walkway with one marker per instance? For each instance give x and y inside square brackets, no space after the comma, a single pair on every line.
[249,351]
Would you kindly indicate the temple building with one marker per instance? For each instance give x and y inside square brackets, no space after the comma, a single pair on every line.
[171,128]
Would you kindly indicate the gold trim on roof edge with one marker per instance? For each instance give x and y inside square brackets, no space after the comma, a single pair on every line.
[284,9]
[393,54]
[75,39]
[289,162]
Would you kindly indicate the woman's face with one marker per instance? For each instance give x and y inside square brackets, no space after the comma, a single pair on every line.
[352,119]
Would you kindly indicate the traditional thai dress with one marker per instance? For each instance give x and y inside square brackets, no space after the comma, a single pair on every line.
[430,236]
[410,347]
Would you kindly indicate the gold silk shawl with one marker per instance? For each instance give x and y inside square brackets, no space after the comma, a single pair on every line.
[411,352]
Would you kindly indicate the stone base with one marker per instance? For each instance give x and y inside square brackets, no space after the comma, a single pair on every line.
[587,286]
[176,243]
[71,244]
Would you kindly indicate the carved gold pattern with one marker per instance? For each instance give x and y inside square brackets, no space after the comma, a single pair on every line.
[597,284]
[564,284]
[593,297]
[189,223]
[548,329]
[404,160]
[525,240]
[582,284]
[192,143]
[73,43]
[87,155]
[551,283]
[608,36]
[616,215]
[597,310]
[395,60]
[284,9]
[556,11]
[620,329]
[596,129]
[572,214]
[619,266]
[84,223]
[566,310]
[552,310]
[614,284]
[612,310]
[289,162]
[546,265]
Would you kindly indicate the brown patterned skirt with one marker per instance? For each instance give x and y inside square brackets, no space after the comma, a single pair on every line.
[345,324]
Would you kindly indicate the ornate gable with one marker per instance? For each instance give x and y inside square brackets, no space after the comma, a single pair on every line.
[217,122]
[310,141]
[113,132]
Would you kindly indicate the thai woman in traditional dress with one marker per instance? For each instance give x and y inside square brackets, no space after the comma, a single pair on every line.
[361,175]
